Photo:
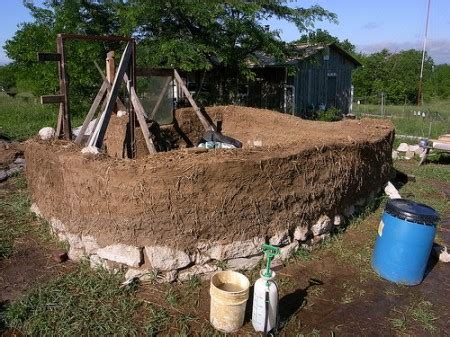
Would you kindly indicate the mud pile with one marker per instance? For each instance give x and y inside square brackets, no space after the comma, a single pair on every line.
[292,181]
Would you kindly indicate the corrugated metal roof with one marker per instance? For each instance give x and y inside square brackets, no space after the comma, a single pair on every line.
[302,51]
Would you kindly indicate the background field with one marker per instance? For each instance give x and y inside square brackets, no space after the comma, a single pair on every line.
[407,119]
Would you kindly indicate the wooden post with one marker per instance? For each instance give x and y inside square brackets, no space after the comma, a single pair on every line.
[106,115]
[111,71]
[110,66]
[119,103]
[64,90]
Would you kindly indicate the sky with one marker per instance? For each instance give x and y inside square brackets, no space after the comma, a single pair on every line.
[371,25]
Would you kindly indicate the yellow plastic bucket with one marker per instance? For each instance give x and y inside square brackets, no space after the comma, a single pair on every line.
[229,294]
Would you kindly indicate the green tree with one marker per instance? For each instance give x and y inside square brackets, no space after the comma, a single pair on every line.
[394,74]
[322,36]
[438,84]
[217,36]
[188,35]
[68,16]
[7,78]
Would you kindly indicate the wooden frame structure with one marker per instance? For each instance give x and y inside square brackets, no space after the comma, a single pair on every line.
[63,127]
[108,93]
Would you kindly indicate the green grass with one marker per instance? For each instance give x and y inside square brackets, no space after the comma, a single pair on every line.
[15,218]
[79,303]
[435,123]
[420,311]
[23,116]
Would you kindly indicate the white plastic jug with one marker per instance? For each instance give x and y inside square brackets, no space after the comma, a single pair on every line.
[265,303]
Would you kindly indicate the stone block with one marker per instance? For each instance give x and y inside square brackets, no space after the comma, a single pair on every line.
[323,225]
[301,233]
[243,263]
[235,249]
[288,251]
[338,220]
[121,253]
[165,258]
[90,244]
[203,272]
[75,254]
[281,238]
[34,208]
[96,261]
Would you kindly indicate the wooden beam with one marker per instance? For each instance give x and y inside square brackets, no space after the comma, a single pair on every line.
[160,97]
[106,115]
[153,72]
[59,123]
[95,37]
[139,110]
[206,124]
[64,90]
[119,103]
[43,57]
[52,99]
[97,100]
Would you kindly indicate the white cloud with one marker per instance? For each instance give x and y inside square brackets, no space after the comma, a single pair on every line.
[439,50]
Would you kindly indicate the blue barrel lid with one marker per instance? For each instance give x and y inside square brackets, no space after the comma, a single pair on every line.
[412,211]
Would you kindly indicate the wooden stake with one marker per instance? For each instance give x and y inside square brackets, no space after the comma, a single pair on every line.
[92,110]
[64,89]
[206,124]
[119,103]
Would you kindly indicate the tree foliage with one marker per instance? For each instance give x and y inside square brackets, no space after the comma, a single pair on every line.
[322,36]
[438,85]
[394,74]
[188,35]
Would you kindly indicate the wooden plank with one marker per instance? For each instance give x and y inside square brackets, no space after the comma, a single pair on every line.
[154,72]
[120,105]
[59,123]
[98,98]
[106,115]
[43,57]
[160,97]
[206,124]
[140,112]
[52,99]
[95,37]
[64,90]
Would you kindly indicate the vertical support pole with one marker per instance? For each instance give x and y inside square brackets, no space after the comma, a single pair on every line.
[64,90]
[110,66]
[111,70]
[131,114]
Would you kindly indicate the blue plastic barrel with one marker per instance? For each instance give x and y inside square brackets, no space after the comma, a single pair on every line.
[404,241]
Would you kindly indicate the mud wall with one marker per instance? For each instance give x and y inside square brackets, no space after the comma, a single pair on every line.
[213,205]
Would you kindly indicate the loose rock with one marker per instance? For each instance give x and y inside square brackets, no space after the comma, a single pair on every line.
[47,133]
